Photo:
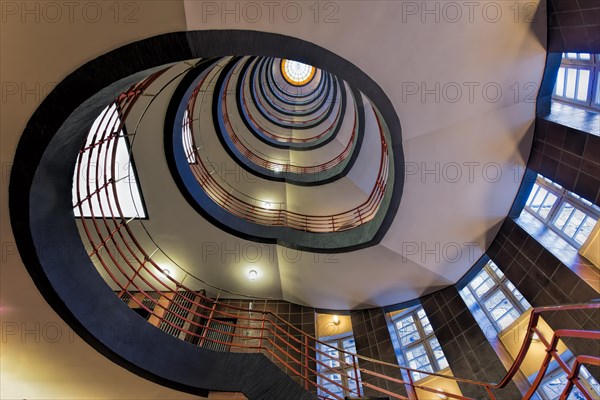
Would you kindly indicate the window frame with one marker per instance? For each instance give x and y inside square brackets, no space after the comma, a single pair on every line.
[424,340]
[122,138]
[337,342]
[500,284]
[558,373]
[563,196]
[593,90]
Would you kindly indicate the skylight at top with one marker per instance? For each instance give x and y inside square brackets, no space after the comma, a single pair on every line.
[297,73]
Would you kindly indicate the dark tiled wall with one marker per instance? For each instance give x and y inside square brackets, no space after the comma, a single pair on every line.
[574,25]
[567,156]
[373,340]
[300,317]
[467,350]
[545,281]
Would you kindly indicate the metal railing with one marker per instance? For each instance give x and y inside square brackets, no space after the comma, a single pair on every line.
[261,213]
[185,311]
[287,139]
[275,165]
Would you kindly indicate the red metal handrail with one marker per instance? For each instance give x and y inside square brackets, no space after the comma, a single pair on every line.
[134,271]
[262,214]
[273,165]
[285,139]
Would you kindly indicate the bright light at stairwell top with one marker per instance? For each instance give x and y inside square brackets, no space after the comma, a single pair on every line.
[296,72]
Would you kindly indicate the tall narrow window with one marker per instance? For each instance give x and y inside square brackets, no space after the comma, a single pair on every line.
[337,374]
[553,386]
[567,214]
[498,298]
[420,348]
[577,81]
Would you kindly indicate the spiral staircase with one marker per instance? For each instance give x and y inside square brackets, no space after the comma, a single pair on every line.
[138,171]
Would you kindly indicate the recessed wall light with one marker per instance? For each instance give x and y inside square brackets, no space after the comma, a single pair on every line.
[252,274]
[336,320]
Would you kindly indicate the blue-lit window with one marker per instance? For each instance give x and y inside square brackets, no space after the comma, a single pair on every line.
[578,80]
[420,348]
[569,215]
[336,369]
[553,386]
[499,299]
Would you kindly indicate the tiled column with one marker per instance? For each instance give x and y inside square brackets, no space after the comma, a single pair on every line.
[467,350]
[568,157]
[373,340]
[574,26]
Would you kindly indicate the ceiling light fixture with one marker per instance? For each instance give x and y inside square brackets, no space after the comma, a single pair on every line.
[166,272]
[252,274]
[535,337]
[441,395]
[336,320]
[278,168]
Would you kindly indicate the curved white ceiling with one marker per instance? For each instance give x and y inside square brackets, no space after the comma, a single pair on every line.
[465,95]
[44,53]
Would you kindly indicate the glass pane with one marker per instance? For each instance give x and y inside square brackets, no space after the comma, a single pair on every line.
[350,346]
[560,83]
[582,85]
[123,176]
[501,310]
[331,386]
[407,330]
[571,81]
[546,206]
[417,375]
[563,215]
[518,295]
[573,223]
[415,353]
[331,355]
[554,389]
[438,353]
[508,318]
[496,270]
[352,381]
[538,199]
[586,229]
[424,322]
[482,283]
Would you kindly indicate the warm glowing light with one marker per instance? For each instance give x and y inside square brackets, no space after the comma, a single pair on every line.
[166,272]
[297,73]
[441,395]
[252,274]
[535,337]
[278,168]
[336,320]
